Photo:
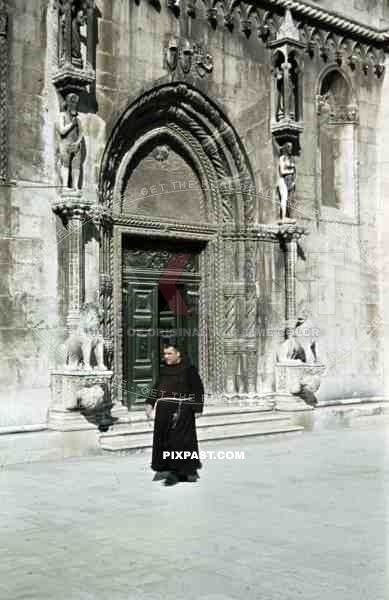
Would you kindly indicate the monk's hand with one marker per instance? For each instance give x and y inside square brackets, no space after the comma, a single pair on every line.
[149,411]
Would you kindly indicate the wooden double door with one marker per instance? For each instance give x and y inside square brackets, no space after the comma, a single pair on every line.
[160,304]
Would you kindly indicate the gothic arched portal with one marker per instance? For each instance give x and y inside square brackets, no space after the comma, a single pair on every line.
[174,132]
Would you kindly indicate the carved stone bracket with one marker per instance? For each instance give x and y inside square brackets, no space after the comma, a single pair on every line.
[296,384]
[78,397]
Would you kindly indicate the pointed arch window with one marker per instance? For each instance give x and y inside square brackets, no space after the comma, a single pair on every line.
[337,146]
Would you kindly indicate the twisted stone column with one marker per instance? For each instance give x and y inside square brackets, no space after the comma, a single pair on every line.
[4,68]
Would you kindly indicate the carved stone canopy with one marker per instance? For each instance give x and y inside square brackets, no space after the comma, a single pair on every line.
[76,45]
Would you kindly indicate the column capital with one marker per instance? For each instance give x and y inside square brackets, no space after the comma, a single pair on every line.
[290,231]
[71,204]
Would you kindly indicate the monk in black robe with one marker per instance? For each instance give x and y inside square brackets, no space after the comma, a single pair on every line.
[177,396]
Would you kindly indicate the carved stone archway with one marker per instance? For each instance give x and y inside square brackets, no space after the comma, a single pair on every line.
[182,117]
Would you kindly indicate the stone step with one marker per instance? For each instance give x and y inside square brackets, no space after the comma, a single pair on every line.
[136,437]
[216,418]
[143,424]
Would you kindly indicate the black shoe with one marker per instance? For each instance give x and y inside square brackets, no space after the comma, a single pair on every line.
[192,477]
[171,479]
[160,475]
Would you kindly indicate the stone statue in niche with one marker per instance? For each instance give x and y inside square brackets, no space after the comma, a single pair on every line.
[86,342]
[70,145]
[280,105]
[286,77]
[78,22]
[286,184]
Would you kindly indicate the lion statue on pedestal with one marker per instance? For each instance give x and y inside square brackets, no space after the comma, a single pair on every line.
[86,344]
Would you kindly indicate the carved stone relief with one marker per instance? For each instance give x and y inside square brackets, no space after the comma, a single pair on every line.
[184,57]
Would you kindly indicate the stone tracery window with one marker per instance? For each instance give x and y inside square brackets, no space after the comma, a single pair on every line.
[337,120]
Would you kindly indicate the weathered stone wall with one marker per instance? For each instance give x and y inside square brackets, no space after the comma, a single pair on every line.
[338,280]
[344,299]
[30,302]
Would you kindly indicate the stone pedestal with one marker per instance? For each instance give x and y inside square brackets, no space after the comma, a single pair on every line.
[66,387]
[289,378]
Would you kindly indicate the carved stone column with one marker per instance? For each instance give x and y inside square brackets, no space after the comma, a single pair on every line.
[290,234]
[73,210]
[294,380]
[4,67]
[80,392]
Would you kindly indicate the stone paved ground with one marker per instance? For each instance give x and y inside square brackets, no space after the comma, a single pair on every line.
[303,517]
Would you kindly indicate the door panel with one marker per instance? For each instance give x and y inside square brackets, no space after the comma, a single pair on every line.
[142,342]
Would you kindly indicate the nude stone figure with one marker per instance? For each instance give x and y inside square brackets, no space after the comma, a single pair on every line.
[70,145]
[286,179]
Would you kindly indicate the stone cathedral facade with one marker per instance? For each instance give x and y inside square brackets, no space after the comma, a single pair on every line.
[146,150]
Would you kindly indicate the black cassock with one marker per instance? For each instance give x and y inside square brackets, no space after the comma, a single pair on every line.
[178,395]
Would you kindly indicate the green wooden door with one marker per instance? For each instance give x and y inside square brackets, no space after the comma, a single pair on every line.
[151,320]
[141,347]
[160,302]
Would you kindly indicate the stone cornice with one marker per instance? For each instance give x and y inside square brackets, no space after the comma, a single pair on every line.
[268,13]
[334,37]
[331,20]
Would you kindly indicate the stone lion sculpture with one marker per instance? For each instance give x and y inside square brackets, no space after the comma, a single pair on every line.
[87,341]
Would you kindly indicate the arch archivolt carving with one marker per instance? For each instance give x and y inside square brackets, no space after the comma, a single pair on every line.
[181,117]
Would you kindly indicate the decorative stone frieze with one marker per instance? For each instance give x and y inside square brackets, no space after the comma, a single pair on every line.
[337,115]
